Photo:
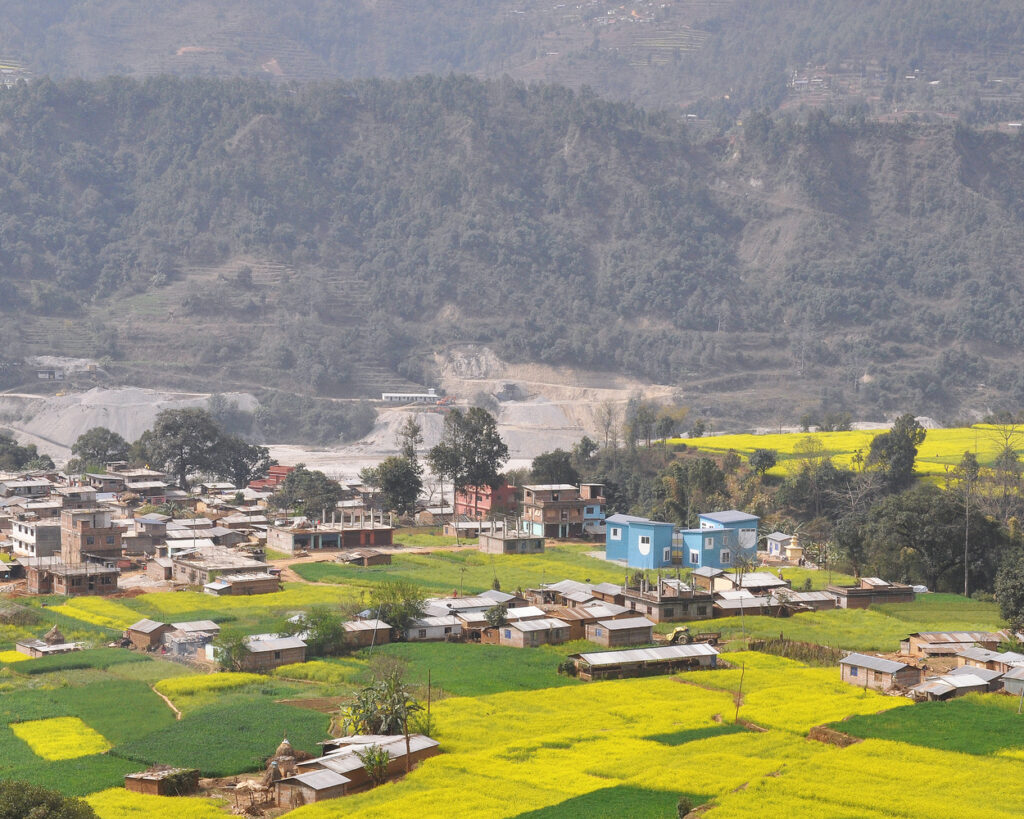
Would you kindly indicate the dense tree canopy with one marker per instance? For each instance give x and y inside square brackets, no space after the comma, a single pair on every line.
[308,492]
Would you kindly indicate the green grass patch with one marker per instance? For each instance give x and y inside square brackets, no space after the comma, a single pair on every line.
[974,724]
[273,554]
[234,736]
[73,777]
[944,612]
[97,658]
[470,670]
[621,800]
[430,540]
[472,571]
[693,734]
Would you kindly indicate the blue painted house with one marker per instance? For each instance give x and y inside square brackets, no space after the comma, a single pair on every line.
[593,512]
[723,539]
[641,542]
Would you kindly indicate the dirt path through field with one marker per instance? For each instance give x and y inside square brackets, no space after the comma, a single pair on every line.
[171,705]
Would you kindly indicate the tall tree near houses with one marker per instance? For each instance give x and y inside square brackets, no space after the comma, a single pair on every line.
[967,472]
[183,441]
[893,452]
[97,446]
[471,452]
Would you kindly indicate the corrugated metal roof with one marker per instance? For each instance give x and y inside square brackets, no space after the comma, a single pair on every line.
[875,581]
[608,588]
[446,620]
[957,636]
[579,596]
[626,623]
[979,654]
[366,625]
[879,664]
[1016,673]
[729,516]
[320,779]
[197,625]
[145,626]
[276,644]
[986,674]
[648,655]
[542,624]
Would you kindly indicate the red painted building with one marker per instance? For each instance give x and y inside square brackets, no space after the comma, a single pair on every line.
[275,477]
[480,502]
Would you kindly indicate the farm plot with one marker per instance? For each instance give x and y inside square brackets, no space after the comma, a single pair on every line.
[98,611]
[470,570]
[554,752]
[117,803]
[60,737]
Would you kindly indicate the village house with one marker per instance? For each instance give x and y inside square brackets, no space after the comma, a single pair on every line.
[877,673]
[36,538]
[363,633]
[147,634]
[594,510]
[667,600]
[1013,681]
[104,482]
[51,575]
[640,542]
[243,584]
[741,602]
[722,539]
[631,631]
[164,781]
[364,531]
[870,591]
[563,593]
[800,601]
[77,497]
[364,557]
[531,633]
[991,676]
[53,642]
[275,477]
[644,662]
[88,534]
[347,772]
[781,546]
[483,502]
[553,510]
[978,658]
[947,643]
[268,653]
[476,627]
[948,686]
[26,488]
[201,566]
[444,627]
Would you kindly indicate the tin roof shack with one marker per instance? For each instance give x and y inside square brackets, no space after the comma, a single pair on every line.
[363,633]
[160,568]
[146,635]
[188,641]
[947,643]
[975,657]
[205,565]
[947,686]
[341,758]
[741,602]
[532,633]
[1013,681]
[877,673]
[799,601]
[632,631]
[992,677]
[365,530]
[307,788]
[243,584]
[364,557]
[164,781]
[580,617]
[869,591]
[476,627]
[445,627]
[563,593]
[512,542]
[668,600]
[267,654]
[644,662]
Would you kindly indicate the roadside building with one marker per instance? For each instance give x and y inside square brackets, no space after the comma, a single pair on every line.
[266,654]
[595,509]
[444,627]
[36,538]
[87,534]
[369,530]
[877,673]
[640,542]
[668,600]
[201,566]
[483,502]
[243,584]
[51,575]
[644,662]
[632,631]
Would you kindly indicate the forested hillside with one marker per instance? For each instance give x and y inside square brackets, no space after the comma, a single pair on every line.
[717,57]
[330,237]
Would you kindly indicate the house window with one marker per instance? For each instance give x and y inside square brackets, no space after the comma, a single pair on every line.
[88,541]
[726,556]
[668,612]
[667,556]
[110,538]
[648,609]
[422,632]
[853,671]
[615,533]
[447,629]
[277,655]
[694,557]
[508,634]
[709,543]
[701,610]
[645,540]
[599,632]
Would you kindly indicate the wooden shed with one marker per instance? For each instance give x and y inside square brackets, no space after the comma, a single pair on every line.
[309,787]
[164,781]
[644,662]
[147,634]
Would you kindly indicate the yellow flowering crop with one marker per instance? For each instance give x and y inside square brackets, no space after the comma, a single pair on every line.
[335,673]
[60,737]
[117,803]
[294,596]
[199,683]
[13,657]
[99,611]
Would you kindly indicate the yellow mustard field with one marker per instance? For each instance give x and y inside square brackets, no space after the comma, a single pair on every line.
[334,673]
[296,595]
[515,752]
[117,803]
[941,447]
[60,737]
[13,657]
[201,683]
[99,611]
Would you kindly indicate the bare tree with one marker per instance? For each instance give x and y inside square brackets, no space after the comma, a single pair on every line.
[607,417]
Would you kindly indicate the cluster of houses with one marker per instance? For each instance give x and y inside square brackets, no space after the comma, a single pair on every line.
[73,535]
[940,665]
